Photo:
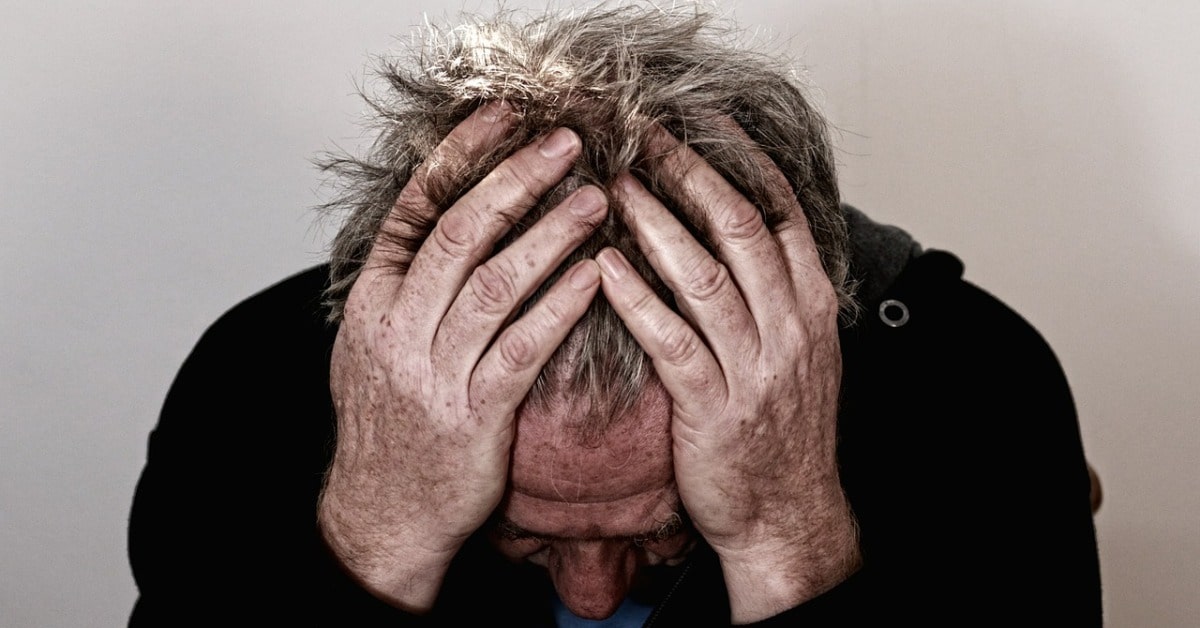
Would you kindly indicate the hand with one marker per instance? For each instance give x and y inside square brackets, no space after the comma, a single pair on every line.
[425,399]
[753,367]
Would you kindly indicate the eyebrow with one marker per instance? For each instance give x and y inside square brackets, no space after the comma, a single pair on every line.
[663,530]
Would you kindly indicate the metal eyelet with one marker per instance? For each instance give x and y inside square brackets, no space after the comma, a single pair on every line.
[893,313]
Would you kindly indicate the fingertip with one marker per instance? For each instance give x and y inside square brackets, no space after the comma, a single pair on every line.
[584,276]
[588,201]
[495,111]
[626,184]
[612,263]
[560,143]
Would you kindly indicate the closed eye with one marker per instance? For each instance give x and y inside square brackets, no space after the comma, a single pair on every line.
[666,529]
[506,529]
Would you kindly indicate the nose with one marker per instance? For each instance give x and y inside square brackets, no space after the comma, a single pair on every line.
[592,577]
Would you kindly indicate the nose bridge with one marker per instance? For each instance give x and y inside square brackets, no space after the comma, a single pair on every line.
[593,577]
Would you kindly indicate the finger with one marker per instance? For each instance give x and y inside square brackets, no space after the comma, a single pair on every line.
[794,233]
[498,287]
[466,233]
[687,369]
[507,371]
[703,287]
[416,208]
[732,222]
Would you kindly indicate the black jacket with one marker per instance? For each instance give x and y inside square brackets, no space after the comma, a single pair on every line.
[959,450]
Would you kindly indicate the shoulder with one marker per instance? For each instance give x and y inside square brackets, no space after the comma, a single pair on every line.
[264,361]
[279,331]
[909,293]
[294,304]
[878,253]
[943,366]
[237,460]
[269,350]
[960,448]
[262,368]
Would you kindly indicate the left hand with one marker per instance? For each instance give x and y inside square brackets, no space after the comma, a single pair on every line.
[753,367]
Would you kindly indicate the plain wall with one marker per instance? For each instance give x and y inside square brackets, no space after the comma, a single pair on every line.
[155,169]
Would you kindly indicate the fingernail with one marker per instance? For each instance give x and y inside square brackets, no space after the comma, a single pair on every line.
[583,276]
[494,111]
[612,263]
[587,202]
[558,143]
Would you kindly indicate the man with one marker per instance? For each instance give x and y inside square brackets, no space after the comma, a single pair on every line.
[598,342]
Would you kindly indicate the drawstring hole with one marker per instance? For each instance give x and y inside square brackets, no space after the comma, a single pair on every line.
[893,313]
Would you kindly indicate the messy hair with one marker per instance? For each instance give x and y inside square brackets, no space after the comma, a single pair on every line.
[603,72]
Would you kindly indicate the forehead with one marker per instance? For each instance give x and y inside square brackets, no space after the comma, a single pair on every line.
[558,483]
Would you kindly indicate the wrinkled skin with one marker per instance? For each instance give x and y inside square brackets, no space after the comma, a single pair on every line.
[425,401]
[753,367]
[428,404]
[594,513]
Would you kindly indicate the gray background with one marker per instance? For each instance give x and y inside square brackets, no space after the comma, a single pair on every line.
[154,170]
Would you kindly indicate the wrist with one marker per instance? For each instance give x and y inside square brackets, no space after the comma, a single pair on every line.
[775,574]
[391,565]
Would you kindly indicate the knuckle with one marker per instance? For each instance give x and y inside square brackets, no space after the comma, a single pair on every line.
[553,312]
[742,220]
[493,289]
[434,181]
[518,350]
[679,344]
[518,180]
[643,303]
[413,195]
[454,146]
[454,234]
[824,300]
[814,288]
[814,312]
[707,278]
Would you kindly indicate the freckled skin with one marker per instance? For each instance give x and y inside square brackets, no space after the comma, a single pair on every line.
[433,436]
[427,372]
[752,363]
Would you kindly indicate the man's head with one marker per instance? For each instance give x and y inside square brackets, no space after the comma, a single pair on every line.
[594,515]
[592,491]
[607,74]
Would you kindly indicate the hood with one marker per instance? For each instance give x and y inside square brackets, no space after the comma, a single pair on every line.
[878,254]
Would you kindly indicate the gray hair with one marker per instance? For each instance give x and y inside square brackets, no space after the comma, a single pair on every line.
[601,72]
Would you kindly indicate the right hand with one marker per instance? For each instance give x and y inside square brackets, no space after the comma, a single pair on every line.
[426,379]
